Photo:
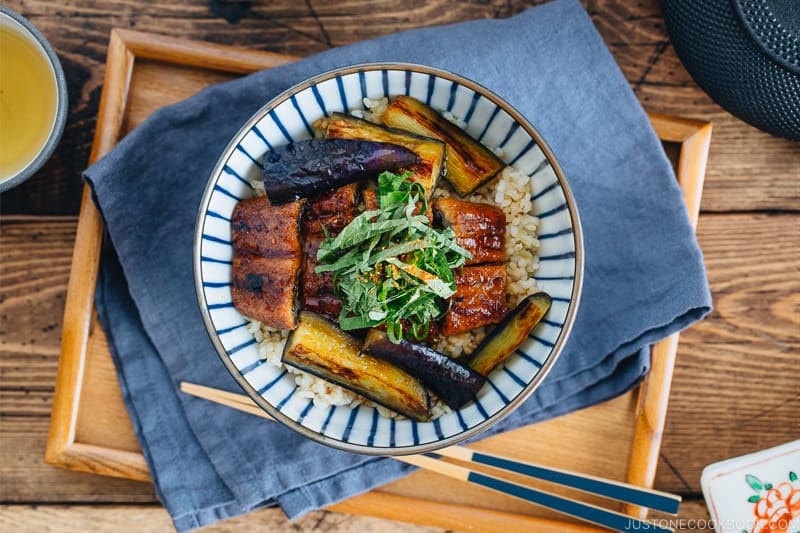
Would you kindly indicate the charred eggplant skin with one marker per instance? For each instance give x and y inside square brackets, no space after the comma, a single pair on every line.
[510,333]
[318,347]
[454,383]
[430,151]
[308,168]
[469,163]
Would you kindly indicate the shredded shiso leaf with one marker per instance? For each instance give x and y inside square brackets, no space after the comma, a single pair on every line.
[390,266]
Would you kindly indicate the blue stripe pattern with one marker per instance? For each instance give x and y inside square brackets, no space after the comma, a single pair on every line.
[219,240]
[319,99]
[509,134]
[557,257]
[283,402]
[342,94]
[272,383]
[350,421]
[302,116]
[328,419]
[362,82]
[214,214]
[481,409]
[529,359]
[223,331]
[274,116]
[497,390]
[215,260]
[554,234]
[472,105]
[305,412]
[461,421]
[488,123]
[261,136]
[216,285]
[229,170]
[241,347]
[297,114]
[252,366]
[431,85]
[515,378]
[226,192]
[373,429]
[553,211]
[452,99]
[438,429]
[522,153]
[545,191]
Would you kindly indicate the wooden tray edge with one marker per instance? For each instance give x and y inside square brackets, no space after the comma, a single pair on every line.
[62,450]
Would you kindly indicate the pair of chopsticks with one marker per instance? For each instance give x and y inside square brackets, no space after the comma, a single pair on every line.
[623,492]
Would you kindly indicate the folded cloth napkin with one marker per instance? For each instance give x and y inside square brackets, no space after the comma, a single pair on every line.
[644,275]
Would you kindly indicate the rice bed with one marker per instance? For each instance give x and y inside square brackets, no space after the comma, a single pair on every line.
[512,192]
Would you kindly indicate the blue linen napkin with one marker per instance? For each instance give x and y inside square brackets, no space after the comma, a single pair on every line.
[644,275]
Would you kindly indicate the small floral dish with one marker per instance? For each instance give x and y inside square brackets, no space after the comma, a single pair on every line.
[755,493]
[553,256]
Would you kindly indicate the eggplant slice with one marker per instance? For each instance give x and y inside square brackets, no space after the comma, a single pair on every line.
[430,151]
[454,383]
[318,347]
[308,168]
[469,163]
[509,335]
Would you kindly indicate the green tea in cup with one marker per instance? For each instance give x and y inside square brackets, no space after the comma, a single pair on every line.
[29,99]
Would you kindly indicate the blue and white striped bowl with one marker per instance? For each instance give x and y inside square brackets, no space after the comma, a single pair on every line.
[288,118]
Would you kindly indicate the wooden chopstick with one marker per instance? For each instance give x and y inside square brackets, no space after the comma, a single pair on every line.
[597,515]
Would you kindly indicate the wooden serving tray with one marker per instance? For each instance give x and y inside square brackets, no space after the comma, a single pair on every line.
[90,429]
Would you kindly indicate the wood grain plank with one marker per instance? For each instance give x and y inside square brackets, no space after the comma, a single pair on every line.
[135,518]
[748,170]
[749,343]
[27,479]
[130,518]
[735,384]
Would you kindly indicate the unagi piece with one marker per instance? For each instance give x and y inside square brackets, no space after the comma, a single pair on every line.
[333,211]
[266,261]
[480,299]
[479,228]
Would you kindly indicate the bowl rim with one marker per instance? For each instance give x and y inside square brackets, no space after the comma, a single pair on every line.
[62,103]
[574,297]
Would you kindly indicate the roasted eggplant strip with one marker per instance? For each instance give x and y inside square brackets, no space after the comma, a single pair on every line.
[266,261]
[320,348]
[430,151]
[479,228]
[454,383]
[308,168]
[469,163]
[509,335]
[480,299]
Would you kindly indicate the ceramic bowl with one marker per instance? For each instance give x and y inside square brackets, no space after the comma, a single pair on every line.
[288,118]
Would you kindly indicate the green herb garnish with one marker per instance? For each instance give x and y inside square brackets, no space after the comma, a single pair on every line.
[390,266]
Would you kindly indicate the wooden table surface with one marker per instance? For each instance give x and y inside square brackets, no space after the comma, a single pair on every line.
[735,388]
